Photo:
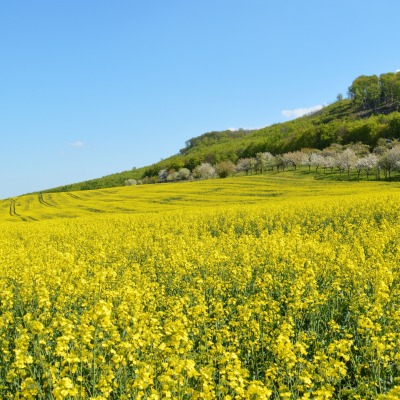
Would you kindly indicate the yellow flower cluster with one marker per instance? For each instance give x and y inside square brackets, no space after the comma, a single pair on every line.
[291,299]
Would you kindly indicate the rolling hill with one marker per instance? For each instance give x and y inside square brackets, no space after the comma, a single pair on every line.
[361,118]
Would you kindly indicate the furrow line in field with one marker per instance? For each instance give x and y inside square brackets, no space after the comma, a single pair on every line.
[13,212]
[42,201]
[74,196]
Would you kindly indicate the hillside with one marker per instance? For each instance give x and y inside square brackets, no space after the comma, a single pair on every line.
[369,114]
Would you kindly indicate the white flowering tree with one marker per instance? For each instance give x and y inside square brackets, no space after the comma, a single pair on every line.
[316,160]
[265,161]
[294,158]
[183,174]
[204,171]
[389,161]
[172,176]
[367,163]
[346,160]
[246,165]
[308,158]
[131,182]
[328,162]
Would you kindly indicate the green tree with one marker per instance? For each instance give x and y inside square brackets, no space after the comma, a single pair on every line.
[393,130]
[366,92]
[176,165]
[192,162]
[225,168]
[388,87]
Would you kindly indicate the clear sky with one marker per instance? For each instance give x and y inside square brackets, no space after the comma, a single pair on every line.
[93,87]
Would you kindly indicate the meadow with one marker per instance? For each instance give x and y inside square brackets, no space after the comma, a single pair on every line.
[258,287]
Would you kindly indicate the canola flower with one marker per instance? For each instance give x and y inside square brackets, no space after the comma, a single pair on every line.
[291,299]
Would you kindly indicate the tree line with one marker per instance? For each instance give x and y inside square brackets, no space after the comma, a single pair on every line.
[344,159]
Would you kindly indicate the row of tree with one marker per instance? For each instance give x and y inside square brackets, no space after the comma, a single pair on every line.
[384,158]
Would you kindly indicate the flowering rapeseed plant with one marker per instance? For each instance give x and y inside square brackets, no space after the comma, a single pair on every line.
[291,299]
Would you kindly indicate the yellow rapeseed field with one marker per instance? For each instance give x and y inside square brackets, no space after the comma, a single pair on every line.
[246,288]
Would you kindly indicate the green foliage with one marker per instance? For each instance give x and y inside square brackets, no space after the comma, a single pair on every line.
[212,137]
[371,92]
[393,129]
[225,168]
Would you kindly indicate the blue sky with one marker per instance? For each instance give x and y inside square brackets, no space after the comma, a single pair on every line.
[94,87]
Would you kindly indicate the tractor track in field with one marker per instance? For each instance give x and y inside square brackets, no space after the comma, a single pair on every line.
[42,201]
[74,196]
[13,211]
